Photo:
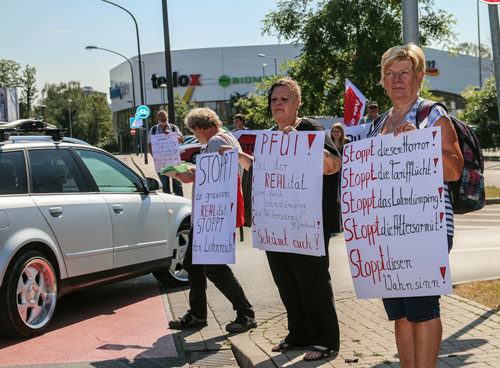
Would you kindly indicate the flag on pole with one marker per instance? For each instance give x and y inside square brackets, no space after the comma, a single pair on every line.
[355,103]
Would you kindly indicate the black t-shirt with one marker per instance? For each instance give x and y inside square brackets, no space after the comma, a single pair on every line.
[330,199]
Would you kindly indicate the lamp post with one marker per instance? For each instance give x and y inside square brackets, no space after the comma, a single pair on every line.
[264,70]
[129,63]
[162,90]
[140,70]
[272,58]
[69,116]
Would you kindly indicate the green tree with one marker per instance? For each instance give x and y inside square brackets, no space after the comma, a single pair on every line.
[482,111]
[181,110]
[29,92]
[9,73]
[90,114]
[346,39]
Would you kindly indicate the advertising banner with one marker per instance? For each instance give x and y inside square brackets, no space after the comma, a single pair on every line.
[393,215]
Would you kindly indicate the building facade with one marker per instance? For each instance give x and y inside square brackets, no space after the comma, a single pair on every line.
[210,76]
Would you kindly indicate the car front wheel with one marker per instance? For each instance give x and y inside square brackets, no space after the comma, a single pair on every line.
[193,157]
[29,296]
[176,274]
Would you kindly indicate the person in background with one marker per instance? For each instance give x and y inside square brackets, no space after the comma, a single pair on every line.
[207,128]
[239,122]
[372,113]
[164,127]
[338,136]
[303,281]
[417,323]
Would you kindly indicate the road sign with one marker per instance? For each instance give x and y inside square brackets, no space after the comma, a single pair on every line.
[135,123]
[132,131]
[492,2]
[142,112]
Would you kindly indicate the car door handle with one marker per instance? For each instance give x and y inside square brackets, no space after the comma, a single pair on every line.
[118,208]
[56,211]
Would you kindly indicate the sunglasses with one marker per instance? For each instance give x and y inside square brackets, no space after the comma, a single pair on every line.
[373,107]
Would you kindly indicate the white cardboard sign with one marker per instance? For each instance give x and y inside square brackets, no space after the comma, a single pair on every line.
[214,212]
[393,214]
[287,192]
[165,150]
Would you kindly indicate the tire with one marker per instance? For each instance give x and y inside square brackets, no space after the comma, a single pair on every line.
[28,297]
[176,274]
[193,157]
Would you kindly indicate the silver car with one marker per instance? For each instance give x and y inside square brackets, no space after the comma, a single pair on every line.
[73,216]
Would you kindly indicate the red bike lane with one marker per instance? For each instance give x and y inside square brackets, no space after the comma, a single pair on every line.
[126,320]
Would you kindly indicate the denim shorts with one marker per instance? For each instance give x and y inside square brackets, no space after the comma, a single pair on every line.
[415,309]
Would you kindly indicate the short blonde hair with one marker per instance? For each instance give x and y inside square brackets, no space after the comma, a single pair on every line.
[292,85]
[203,118]
[409,52]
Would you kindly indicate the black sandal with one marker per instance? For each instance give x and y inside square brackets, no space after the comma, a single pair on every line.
[283,346]
[323,353]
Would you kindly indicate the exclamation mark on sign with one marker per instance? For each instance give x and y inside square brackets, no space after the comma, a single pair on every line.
[440,189]
[441,214]
[311,138]
[317,240]
[443,272]
[434,136]
[234,239]
[435,163]
[318,224]
[232,204]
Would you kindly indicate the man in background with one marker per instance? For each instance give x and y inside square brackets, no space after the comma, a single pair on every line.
[163,127]
[372,113]
[239,122]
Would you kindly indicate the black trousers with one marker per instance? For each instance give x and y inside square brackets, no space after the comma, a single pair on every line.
[305,289]
[222,277]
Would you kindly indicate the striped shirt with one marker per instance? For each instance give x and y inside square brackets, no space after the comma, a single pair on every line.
[436,113]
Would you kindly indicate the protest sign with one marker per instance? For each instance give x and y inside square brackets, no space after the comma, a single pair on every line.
[287,192]
[393,214]
[214,212]
[357,132]
[165,150]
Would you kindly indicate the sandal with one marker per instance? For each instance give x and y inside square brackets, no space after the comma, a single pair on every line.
[323,353]
[284,346]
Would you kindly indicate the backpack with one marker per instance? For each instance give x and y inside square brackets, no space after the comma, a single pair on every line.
[153,130]
[467,193]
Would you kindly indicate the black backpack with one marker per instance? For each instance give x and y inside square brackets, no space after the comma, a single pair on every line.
[467,193]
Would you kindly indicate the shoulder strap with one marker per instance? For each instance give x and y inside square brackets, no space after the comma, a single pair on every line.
[377,121]
[154,129]
[424,110]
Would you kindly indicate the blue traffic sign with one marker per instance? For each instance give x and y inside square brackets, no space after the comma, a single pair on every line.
[142,112]
[135,123]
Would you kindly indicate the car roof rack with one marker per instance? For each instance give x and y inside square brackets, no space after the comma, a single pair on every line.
[32,126]
[5,134]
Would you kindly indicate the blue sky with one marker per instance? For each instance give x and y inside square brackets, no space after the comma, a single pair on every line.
[51,34]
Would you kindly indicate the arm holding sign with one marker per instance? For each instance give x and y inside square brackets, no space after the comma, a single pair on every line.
[453,161]
[244,159]
[186,177]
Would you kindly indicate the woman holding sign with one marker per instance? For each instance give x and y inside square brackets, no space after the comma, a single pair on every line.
[304,281]
[418,327]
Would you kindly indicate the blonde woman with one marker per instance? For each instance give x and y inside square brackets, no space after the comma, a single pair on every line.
[338,136]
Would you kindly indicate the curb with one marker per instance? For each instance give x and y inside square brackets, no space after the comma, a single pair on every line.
[492,200]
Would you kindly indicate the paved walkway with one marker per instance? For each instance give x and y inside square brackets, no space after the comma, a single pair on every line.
[471,335]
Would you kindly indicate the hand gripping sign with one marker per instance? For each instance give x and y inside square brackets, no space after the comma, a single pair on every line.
[393,214]
[287,192]
[214,212]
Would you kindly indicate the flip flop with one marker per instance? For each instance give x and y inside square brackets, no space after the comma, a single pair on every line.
[323,353]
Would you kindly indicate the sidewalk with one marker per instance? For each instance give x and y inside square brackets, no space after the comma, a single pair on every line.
[471,332]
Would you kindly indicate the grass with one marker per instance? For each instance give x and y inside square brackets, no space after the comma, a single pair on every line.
[485,292]
[492,192]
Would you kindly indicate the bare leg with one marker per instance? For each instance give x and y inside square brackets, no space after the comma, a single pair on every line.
[427,337]
[403,330]
[418,343]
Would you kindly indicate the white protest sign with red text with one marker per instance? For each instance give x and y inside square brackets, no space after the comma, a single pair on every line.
[214,211]
[287,192]
[393,214]
[165,150]
[354,106]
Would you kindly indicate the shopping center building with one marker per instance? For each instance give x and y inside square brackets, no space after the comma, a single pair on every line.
[210,76]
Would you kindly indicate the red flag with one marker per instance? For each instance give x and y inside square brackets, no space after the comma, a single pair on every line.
[354,106]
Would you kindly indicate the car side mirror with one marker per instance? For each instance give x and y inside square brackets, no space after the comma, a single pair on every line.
[151,185]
